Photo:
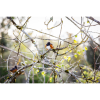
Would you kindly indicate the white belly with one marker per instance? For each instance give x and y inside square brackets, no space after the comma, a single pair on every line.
[48,47]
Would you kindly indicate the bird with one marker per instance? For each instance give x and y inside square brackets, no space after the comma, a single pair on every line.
[13,70]
[49,46]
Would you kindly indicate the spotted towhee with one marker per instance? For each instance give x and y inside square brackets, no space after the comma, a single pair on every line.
[49,46]
[13,70]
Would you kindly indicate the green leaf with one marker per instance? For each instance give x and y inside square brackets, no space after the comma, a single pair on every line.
[69,45]
[70,51]
[84,67]
[36,71]
[86,48]
[85,72]
[62,65]
[59,65]
[88,21]
[56,76]
[68,66]
[79,52]
[25,62]
[69,58]
[75,55]
[83,50]
[75,35]
[50,79]
[75,41]
[62,60]
[65,57]
[43,73]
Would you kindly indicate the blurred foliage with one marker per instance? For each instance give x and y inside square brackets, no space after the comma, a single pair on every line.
[90,55]
[38,78]
[4,26]
[3,72]
[87,75]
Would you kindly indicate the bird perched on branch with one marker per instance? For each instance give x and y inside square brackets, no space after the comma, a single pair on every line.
[13,70]
[49,46]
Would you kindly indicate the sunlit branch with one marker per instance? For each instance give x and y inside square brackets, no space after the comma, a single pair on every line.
[82,30]
[21,28]
[54,26]
[24,67]
[16,52]
[83,24]
[50,35]
[29,74]
[26,21]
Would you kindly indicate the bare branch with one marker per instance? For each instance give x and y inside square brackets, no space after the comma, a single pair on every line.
[16,52]
[94,20]
[82,31]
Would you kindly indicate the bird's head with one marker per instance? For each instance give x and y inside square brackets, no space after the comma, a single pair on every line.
[48,44]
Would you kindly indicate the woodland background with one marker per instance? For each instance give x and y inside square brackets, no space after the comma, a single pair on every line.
[74,59]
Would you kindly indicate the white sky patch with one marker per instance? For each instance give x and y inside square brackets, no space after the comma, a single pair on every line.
[67,26]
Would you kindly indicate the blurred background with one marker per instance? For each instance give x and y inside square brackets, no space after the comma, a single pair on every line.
[9,35]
